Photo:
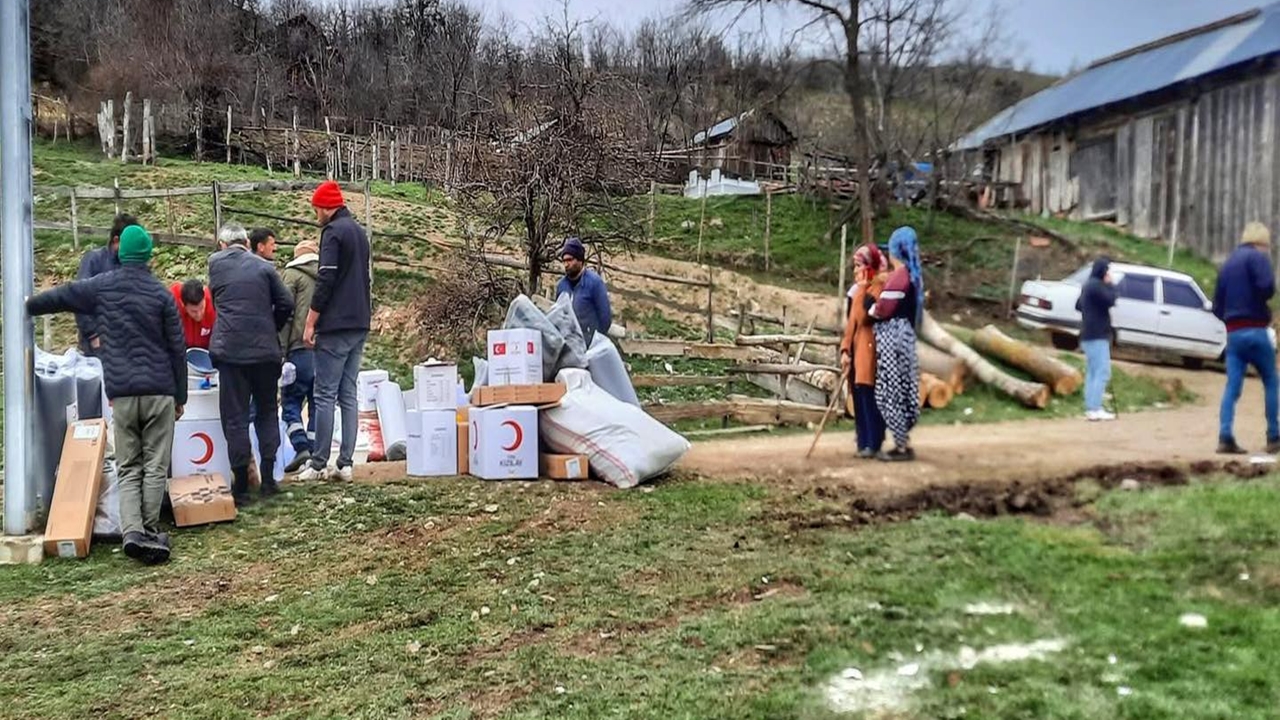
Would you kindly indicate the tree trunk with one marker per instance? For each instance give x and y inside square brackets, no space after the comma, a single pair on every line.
[946,368]
[1064,379]
[856,90]
[934,393]
[1033,395]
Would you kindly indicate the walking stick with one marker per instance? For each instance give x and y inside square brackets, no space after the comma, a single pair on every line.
[835,398]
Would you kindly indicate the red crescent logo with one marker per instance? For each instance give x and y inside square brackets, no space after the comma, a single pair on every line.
[208,448]
[519,435]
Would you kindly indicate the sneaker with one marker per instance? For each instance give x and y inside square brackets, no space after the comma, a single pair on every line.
[156,549]
[866,454]
[897,455]
[342,474]
[1099,416]
[147,549]
[1229,447]
[298,461]
[310,473]
[1273,447]
[134,545]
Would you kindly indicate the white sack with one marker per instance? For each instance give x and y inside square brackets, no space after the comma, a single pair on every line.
[608,371]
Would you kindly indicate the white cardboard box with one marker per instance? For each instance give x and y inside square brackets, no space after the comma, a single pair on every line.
[367,383]
[515,357]
[432,446]
[436,386]
[200,448]
[504,442]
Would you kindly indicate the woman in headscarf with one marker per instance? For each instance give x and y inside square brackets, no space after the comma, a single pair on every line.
[897,313]
[858,349]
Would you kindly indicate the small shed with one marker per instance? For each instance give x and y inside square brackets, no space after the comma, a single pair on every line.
[754,145]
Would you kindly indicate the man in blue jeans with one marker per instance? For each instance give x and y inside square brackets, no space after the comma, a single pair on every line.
[1096,300]
[299,278]
[1245,284]
[337,326]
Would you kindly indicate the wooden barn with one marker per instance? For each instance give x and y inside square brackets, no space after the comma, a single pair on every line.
[1175,139]
[755,145]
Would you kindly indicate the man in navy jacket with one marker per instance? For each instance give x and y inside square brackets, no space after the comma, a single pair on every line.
[586,290]
[1245,284]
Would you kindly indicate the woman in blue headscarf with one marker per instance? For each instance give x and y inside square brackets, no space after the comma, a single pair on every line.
[897,314]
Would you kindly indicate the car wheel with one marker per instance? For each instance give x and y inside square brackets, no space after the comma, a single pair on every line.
[1193,363]
[1063,341]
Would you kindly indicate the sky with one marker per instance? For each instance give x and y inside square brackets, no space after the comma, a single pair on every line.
[1052,35]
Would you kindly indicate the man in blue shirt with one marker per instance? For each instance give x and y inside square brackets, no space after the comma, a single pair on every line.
[586,290]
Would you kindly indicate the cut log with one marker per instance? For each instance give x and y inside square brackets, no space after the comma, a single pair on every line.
[1033,395]
[945,367]
[1064,379]
[934,392]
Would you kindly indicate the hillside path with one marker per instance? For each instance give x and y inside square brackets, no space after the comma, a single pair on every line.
[999,453]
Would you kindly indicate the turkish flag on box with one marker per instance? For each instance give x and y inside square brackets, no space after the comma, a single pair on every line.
[504,442]
[515,357]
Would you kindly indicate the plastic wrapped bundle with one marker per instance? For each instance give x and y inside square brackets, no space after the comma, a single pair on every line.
[604,362]
[524,315]
[562,316]
[67,388]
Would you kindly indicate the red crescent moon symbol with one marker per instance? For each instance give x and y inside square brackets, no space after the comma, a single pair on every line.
[208,447]
[519,434]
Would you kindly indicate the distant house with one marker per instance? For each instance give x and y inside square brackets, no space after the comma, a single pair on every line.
[755,145]
[1175,139]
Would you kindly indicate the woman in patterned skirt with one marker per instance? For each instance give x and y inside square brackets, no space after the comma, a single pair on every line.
[897,314]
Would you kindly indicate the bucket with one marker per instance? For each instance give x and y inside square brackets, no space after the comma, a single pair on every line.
[202,405]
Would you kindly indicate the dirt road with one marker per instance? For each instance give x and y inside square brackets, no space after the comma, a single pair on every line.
[998,453]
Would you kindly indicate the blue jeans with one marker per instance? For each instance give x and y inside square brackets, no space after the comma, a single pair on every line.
[1251,346]
[338,356]
[293,396]
[1097,372]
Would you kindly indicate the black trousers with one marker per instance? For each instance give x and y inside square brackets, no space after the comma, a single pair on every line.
[238,385]
[867,419]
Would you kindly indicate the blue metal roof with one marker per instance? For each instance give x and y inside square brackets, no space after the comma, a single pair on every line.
[1143,72]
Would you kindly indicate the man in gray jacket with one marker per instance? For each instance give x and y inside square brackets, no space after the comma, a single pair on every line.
[253,305]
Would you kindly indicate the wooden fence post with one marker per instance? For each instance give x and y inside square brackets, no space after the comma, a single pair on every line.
[75,224]
[228,134]
[124,138]
[702,220]
[217,210]
[711,317]
[768,225]
[368,213]
[1013,276]
[168,211]
[653,205]
[840,291]
[297,146]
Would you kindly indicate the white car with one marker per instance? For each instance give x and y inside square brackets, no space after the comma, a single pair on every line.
[1156,309]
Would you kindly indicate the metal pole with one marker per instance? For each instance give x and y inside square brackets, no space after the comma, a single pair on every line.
[18,263]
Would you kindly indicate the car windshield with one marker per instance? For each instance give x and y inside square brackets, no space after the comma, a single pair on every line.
[1080,276]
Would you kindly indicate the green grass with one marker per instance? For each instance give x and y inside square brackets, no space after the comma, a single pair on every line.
[367,602]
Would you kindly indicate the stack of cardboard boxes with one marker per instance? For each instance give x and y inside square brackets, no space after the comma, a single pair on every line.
[495,437]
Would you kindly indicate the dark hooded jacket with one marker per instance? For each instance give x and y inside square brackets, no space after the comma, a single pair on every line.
[1095,303]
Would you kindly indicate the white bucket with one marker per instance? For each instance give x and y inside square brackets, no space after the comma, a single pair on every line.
[202,405]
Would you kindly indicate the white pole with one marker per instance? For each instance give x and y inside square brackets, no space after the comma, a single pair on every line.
[19,261]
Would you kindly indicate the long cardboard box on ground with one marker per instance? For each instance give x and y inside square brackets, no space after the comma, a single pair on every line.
[515,357]
[504,442]
[563,467]
[69,532]
[538,395]
[201,500]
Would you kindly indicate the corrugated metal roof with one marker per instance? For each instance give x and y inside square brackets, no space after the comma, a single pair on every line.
[720,129]
[1144,71]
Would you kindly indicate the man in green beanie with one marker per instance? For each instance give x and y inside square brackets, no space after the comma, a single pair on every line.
[145,374]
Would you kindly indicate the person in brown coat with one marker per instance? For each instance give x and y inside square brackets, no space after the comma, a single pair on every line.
[858,349]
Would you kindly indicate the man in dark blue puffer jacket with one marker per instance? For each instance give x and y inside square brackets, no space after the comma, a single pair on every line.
[144,368]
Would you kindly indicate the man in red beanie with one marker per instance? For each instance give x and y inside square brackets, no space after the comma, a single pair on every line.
[337,327]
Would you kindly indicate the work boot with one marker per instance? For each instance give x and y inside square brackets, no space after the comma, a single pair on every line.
[1229,447]
[269,488]
[157,549]
[297,462]
[145,548]
[240,486]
